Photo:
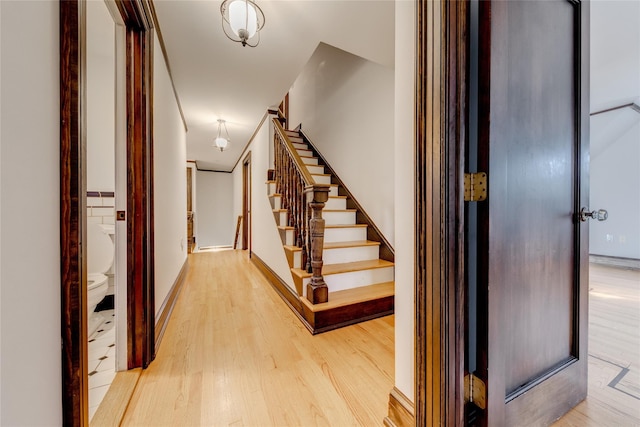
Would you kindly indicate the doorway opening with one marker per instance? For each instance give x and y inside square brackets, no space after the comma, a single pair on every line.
[246,203]
[133,226]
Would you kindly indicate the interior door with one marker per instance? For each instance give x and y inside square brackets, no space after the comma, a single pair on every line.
[532,248]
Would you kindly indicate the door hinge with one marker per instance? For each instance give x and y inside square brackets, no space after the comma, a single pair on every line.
[475,391]
[475,187]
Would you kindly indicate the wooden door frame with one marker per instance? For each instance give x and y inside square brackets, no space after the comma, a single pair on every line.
[140,257]
[440,126]
[246,203]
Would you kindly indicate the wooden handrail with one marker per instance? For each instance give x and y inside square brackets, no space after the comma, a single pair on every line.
[304,199]
[308,179]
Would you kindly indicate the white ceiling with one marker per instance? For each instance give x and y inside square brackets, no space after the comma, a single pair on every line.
[217,78]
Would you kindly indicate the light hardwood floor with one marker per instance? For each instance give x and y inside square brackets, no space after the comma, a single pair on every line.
[234,354]
[614,351]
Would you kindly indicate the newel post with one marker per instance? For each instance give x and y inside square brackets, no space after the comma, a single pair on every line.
[317,195]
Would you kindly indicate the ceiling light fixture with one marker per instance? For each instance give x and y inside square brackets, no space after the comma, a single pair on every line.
[243,19]
[222,142]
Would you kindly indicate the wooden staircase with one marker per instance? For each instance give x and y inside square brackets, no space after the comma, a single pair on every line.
[360,284]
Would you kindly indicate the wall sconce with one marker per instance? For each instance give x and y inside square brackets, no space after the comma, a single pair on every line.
[241,21]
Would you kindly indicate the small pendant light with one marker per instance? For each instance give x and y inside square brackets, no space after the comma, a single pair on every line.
[221,142]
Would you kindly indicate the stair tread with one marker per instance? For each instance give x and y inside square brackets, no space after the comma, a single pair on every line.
[280,210]
[275,195]
[285,227]
[292,248]
[344,267]
[353,296]
[337,197]
[344,225]
[321,174]
[339,210]
[350,244]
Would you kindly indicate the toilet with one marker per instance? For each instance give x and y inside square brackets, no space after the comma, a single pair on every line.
[100,251]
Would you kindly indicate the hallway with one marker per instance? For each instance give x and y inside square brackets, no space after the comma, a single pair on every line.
[234,354]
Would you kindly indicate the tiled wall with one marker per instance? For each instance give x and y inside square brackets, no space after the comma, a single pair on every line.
[101,207]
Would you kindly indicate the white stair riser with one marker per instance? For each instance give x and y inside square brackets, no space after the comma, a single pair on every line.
[339,217]
[315,169]
[276,202]
[322,179]
[343,234]
[288,237]
[305,153]
[333,190]
[271,188]
[310,160]
[354,279]
[336,204]
[297,259]
[300,146]
[281,217]
[352,254]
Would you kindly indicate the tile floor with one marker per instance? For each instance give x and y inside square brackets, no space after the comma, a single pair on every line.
[102,360]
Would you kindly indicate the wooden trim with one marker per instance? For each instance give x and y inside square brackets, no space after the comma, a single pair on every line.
[162,319]
[401,410]
[337,317]
[287,294]
[255,132]
[72,212]
[440,135]
[140,256]
[235,240]
[163,47]
[246,203]
[387,252]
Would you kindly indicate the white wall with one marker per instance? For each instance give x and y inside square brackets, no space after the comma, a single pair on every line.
[615,136]
[30,362]
[615,186]
[345,104]
[216,223]
[404,197]
[265,240]
[170,181]
[615,52]
[100,98]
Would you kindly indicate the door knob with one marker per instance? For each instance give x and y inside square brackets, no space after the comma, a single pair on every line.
[600,214]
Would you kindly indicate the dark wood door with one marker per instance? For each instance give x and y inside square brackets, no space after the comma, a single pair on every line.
[532,250]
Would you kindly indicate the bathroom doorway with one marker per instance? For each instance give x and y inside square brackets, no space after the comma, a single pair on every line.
[105,185]
[132,200]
